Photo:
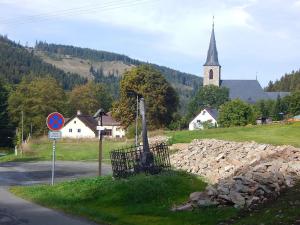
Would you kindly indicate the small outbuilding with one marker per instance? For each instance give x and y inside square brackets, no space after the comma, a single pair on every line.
[207,117]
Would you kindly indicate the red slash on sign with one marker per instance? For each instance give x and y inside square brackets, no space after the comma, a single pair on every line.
[55,121]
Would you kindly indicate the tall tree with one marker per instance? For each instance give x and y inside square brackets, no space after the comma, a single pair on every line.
[89,98]
[236,113]
[6,127]
[280,109]
[36,98]
[293,103]
[265,108]
[288,82]
[208,96]
[160,97]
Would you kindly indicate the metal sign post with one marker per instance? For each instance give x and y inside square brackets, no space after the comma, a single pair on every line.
[53,161]
[55,121]
[53,135]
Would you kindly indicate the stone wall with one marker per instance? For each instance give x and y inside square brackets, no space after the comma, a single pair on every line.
[242,174]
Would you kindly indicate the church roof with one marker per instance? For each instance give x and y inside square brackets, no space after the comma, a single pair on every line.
[212,54]
[247,90]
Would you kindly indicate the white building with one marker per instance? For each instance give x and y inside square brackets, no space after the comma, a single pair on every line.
[84,126]
[208,116]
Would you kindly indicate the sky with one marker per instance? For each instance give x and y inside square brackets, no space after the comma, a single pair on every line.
[255,38]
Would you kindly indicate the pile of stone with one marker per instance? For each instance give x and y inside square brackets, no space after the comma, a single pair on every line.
[158,140]
[242,174]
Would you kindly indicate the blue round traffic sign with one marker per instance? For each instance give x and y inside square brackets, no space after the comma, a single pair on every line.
[55,121]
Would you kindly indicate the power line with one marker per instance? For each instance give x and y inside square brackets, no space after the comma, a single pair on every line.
[112,5]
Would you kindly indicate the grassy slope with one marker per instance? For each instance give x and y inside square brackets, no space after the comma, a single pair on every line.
[140,200]
[278,134]
[67,150]
[82,66]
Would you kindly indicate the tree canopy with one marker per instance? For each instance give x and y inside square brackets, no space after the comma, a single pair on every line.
[17,62]
[36,98]
[89,98]
[236,113]
[160,97]
[208,96]
[6,128]
[293,103]
[288,82]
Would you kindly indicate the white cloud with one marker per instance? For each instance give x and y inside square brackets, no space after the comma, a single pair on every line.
[297,3]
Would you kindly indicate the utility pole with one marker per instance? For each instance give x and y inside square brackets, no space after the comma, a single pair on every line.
[136,120]
[22,136]
[100,146]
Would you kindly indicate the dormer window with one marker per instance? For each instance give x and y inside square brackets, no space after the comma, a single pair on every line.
[211,74]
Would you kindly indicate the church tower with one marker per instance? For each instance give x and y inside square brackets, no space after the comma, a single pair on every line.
[212,68]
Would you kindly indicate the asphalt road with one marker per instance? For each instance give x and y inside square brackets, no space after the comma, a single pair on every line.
[16,211]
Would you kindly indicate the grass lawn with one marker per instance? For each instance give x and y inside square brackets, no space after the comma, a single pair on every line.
[146,200]
[277,134]
[140,200]
[41,149]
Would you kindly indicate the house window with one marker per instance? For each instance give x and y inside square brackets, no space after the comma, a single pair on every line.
[211,74]
[70,130]
[79,130]
[74,121]
[203,113]
[108,132]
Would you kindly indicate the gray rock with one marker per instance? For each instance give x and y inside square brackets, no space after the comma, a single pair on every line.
[238,200]
[195,196]
[185,207]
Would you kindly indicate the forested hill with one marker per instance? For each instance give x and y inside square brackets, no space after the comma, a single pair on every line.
[289,82]
[173,76]
[17,62]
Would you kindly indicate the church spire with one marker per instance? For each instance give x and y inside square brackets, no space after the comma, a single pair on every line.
[212,54]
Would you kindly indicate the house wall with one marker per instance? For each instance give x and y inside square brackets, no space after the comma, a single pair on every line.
[203,116]
[75,124]
[117,131]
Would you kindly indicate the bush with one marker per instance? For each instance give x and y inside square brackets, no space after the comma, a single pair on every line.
[237,113]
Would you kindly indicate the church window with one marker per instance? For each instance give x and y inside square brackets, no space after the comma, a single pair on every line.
[211,74]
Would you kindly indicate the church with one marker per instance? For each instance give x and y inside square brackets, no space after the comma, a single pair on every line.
[247,90]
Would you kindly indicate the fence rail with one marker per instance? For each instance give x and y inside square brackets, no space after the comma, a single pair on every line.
[127,161]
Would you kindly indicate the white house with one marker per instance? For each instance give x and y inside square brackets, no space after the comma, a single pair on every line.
[207,115]
[84,126]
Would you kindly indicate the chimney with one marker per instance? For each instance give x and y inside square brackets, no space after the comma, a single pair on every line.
[78,112]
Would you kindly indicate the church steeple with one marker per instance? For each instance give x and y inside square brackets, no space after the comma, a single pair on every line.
[212,54]
[212,68]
